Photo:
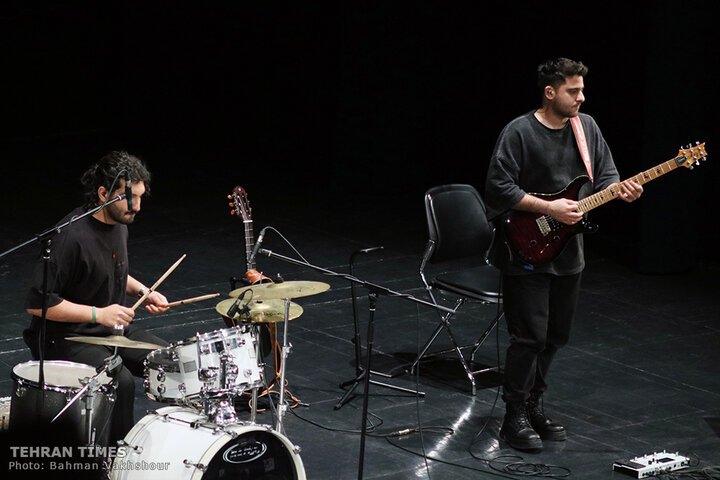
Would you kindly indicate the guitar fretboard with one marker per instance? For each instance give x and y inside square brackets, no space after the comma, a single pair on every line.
[249,242]
[611,192]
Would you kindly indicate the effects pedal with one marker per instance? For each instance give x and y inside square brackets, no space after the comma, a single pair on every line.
[651,464]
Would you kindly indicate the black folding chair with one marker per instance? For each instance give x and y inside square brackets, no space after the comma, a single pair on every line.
[459,229]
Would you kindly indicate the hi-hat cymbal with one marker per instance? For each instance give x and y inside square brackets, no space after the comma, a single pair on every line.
[115,341]
[294,289]
[262,311]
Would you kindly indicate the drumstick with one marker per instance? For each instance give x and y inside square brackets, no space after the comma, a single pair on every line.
[194,299]
[160,280]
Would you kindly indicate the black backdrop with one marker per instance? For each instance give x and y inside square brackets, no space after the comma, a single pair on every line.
[338,103]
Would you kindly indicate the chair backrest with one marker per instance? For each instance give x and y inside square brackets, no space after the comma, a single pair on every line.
[457,222]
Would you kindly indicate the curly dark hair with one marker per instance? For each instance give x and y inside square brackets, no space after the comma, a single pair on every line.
[553,72]
[108,171]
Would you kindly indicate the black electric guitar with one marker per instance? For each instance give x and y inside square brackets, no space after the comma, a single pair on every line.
[538,239]
[241,208]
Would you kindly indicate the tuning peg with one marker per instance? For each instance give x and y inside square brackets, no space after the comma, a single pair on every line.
[229,197]
[697,143]
[232,212]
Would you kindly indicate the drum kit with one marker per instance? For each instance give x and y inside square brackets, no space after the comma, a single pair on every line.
[199,433]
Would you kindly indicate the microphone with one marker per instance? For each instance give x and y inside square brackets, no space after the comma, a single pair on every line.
[234,308]
[257,246]
[128,191]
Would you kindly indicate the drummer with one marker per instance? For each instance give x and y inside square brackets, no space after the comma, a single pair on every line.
[88,281]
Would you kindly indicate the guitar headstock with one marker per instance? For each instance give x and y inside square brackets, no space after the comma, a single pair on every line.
[691,155]
[240,204]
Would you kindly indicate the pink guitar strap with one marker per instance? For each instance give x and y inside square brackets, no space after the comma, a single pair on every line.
[582,143]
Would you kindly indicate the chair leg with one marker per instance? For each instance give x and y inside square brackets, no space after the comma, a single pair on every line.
[464,363]
[482,338]
[444,323]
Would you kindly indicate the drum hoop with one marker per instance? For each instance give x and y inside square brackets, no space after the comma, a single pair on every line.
[64,389]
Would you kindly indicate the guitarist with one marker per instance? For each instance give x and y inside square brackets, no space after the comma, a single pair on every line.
[538,152]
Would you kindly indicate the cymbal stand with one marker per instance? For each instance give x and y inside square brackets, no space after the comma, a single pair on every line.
[282,408]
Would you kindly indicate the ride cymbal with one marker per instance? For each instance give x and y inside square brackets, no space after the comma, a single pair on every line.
[296,289]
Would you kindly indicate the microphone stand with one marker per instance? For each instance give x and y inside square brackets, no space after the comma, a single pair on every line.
[360,372]
[373,291]
[45,240]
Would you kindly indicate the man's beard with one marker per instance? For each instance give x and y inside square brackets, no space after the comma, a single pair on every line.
[119,215]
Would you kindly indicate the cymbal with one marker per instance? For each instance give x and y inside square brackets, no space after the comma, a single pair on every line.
[294,289]
[115,341]
[262,311]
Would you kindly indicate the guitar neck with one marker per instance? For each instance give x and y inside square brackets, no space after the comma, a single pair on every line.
[611,192]
[249,243]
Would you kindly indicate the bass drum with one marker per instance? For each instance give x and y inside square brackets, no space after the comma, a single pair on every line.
[176,442]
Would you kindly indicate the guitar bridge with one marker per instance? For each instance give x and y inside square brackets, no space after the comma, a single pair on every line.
[543,225]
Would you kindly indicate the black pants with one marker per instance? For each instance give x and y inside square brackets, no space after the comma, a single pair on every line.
[123,417]
[539,309]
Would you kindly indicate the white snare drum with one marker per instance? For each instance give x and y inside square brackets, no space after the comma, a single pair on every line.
[174,443]
[227,360]
[171,374]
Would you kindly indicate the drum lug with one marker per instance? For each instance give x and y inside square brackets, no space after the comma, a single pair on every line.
[136,448]
[189,464]
[161,376]
[161,389]
[181,388]
[208,374]
[21,389]
[296,449]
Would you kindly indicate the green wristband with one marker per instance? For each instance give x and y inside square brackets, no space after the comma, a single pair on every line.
[94,316]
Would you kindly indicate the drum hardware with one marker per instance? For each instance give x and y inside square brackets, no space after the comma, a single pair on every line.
[88,391]
[199,466]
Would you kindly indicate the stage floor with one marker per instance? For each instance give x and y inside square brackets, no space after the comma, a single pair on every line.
[640,374]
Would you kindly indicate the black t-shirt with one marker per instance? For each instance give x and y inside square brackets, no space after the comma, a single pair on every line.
[88,266]
[532,158]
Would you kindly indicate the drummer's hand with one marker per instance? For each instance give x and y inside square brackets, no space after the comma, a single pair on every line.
[156,303]
[114,315]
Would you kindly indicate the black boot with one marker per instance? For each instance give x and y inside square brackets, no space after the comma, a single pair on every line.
[547,429]
[516,429]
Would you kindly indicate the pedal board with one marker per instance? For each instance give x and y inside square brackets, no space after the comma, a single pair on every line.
[651,464]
